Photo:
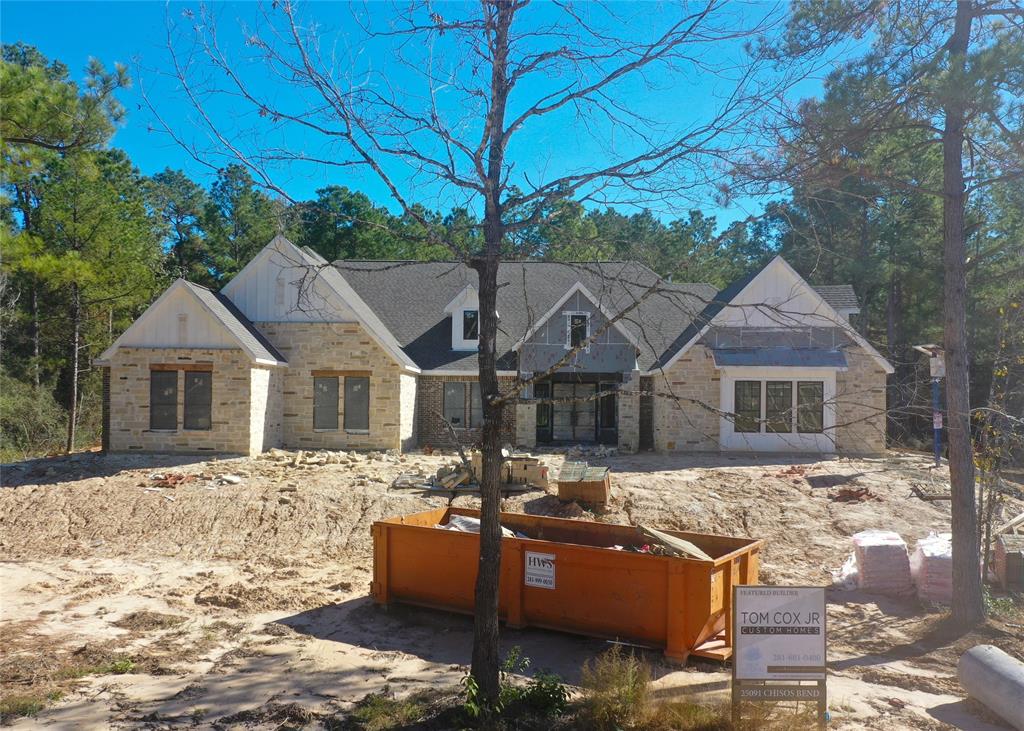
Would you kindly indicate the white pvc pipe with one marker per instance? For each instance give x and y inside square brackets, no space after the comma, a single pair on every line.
[996,679]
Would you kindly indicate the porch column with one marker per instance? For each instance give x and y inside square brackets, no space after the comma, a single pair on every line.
[629,413]
[526,425]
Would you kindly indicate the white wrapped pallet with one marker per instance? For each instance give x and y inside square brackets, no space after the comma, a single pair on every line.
[882,562]
[931,566]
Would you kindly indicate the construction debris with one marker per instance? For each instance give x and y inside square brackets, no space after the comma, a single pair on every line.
[853,495]
[882,563]
[1008,562]
[672,545]
[931,567]
[929,496]
[580,482]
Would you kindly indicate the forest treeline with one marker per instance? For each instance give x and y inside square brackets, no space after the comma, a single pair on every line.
[89,241]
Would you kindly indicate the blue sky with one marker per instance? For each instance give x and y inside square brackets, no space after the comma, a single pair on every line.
[135,33]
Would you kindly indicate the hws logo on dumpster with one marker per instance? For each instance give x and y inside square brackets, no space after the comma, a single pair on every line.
[540,570]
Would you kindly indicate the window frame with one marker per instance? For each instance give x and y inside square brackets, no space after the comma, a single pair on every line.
[476,406]
[337,401]
[173,403]
[569,316]
[800,409]
[785,415]
[355,429]
[190,374]
[474,334]
[445,409]
[745,414]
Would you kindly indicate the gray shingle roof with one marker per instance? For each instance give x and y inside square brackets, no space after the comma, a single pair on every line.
[839,296]
[237,323]
[410,297]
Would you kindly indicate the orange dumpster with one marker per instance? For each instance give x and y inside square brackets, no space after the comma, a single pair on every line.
[568,576]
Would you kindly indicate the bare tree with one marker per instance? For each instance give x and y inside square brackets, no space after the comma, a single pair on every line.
[476,81]
[947,77]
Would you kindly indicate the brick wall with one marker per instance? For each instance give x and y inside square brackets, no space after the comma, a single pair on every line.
[684,424]
[860,405]
[407,399]
[265,409]
[335,347]
[129,401]
[430,425]
[629,414]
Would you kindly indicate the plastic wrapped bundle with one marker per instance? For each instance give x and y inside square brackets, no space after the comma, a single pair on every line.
[931,566]
[882,562]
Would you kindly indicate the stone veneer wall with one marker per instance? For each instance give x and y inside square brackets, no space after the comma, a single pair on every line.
[407,389]
[430,425]
[526,425]
[629,414]
[230,414]
[686,425]
[322,346]
[265,409]
[860,405]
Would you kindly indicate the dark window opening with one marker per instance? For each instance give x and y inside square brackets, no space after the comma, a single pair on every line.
[325,402]
[606,408]
[163,400]
[577,330]
[198,400]
[470,325]
[747,407]
[476,407]
[543,391]
[778,407]
[810,407]
[454,408]
[357,403]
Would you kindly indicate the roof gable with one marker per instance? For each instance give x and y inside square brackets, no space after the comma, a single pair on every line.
[187,315]
[775,296]
[577,288]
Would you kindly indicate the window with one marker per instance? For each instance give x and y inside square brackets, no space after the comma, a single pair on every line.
[810,405]
[470,325]
[606,408]
[778,407]
[325,402]
[579,328]
[747,406]
[543,391]
[357,403]
[454,408]
[476,407]
[198,399]
[163,400]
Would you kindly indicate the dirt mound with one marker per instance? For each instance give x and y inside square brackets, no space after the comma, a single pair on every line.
[260,598]
[147,621]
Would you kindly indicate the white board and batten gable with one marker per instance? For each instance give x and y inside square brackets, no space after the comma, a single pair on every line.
[284,283]
[778,297]
[466,301]
[188,316]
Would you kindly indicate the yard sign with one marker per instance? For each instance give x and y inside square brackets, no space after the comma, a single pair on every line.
[778,638]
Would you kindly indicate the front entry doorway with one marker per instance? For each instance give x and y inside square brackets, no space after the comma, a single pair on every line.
[574,421]
[577,416]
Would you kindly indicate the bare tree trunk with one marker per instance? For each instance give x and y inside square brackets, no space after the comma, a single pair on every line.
[35,333]
[485,628]
[76,329]
[967,607]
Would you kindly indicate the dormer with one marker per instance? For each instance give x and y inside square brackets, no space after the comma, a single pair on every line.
[465,317]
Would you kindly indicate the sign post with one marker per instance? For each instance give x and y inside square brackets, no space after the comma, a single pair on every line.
[779,647]
[937,371]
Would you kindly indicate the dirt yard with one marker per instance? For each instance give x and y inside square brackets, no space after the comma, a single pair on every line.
[236,597]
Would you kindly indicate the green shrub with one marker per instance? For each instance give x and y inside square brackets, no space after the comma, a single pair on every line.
[616,690]
[32,423]
[542,696]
